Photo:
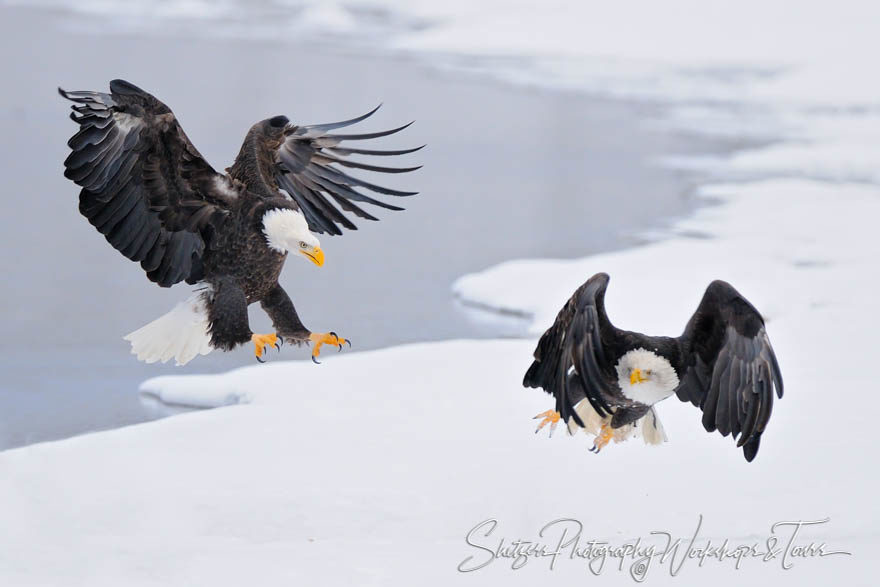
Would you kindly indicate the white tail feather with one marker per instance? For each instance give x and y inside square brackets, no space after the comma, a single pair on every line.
[652,429]
[181,334]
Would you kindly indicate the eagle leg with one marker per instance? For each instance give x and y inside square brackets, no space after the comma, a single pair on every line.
[606,433]
[551,417]
[261,341]
[321,338]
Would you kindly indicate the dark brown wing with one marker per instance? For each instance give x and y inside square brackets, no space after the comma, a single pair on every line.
[730,367]
[570,361]
[145,187]
[307,170]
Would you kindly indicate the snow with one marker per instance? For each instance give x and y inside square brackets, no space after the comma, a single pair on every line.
[372,468]
[197,391]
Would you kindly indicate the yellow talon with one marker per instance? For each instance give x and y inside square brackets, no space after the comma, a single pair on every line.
[606,433]
[261,341]
[549,417]
[320,339]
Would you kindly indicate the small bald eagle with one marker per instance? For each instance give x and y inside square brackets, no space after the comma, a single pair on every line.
[607,380]
[147,189]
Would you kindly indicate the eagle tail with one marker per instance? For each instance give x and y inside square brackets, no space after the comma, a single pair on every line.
[181,334]
[652,429]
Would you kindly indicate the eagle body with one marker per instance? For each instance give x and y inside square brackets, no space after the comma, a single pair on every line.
[245,270]
[606,380]
[148,190]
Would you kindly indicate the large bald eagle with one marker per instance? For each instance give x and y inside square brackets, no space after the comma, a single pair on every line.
[147,189]
[607,380]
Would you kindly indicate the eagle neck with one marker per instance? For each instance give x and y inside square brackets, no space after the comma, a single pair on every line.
[253,166]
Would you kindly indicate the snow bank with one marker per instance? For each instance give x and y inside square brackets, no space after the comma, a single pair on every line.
[372,468]
[197,391]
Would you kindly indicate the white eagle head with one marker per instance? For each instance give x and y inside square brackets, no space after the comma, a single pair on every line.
[645,376]
[287,231]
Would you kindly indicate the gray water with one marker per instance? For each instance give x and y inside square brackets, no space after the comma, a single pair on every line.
[509,173]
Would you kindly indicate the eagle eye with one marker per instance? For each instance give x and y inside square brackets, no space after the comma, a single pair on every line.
[302,245]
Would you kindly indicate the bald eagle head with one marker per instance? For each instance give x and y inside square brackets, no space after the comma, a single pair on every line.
[287,231]
[273,126]
[645,376]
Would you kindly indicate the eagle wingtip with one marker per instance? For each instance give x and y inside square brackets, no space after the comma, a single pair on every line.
[750,449]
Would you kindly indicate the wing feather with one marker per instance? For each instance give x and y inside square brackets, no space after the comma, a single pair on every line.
[731,371]
[144,185]
[569,357]
[306,161]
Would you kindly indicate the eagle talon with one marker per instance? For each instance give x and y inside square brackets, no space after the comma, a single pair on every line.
[606,433]
[551,417]
[320,340]
[315,361]
[261,341]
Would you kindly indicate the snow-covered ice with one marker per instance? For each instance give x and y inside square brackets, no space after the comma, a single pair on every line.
[372,468]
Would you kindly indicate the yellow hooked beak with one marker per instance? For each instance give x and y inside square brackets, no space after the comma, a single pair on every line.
[636,377]
[316,256]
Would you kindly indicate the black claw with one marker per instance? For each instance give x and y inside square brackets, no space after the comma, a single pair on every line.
[340,348]
[336,336]
[259,360]
[348,342]
[315,361]
[280,341]
[277,347]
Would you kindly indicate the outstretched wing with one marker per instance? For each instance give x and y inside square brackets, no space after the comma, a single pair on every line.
[307,170]
[569,355]
[730,368]
[145,187]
